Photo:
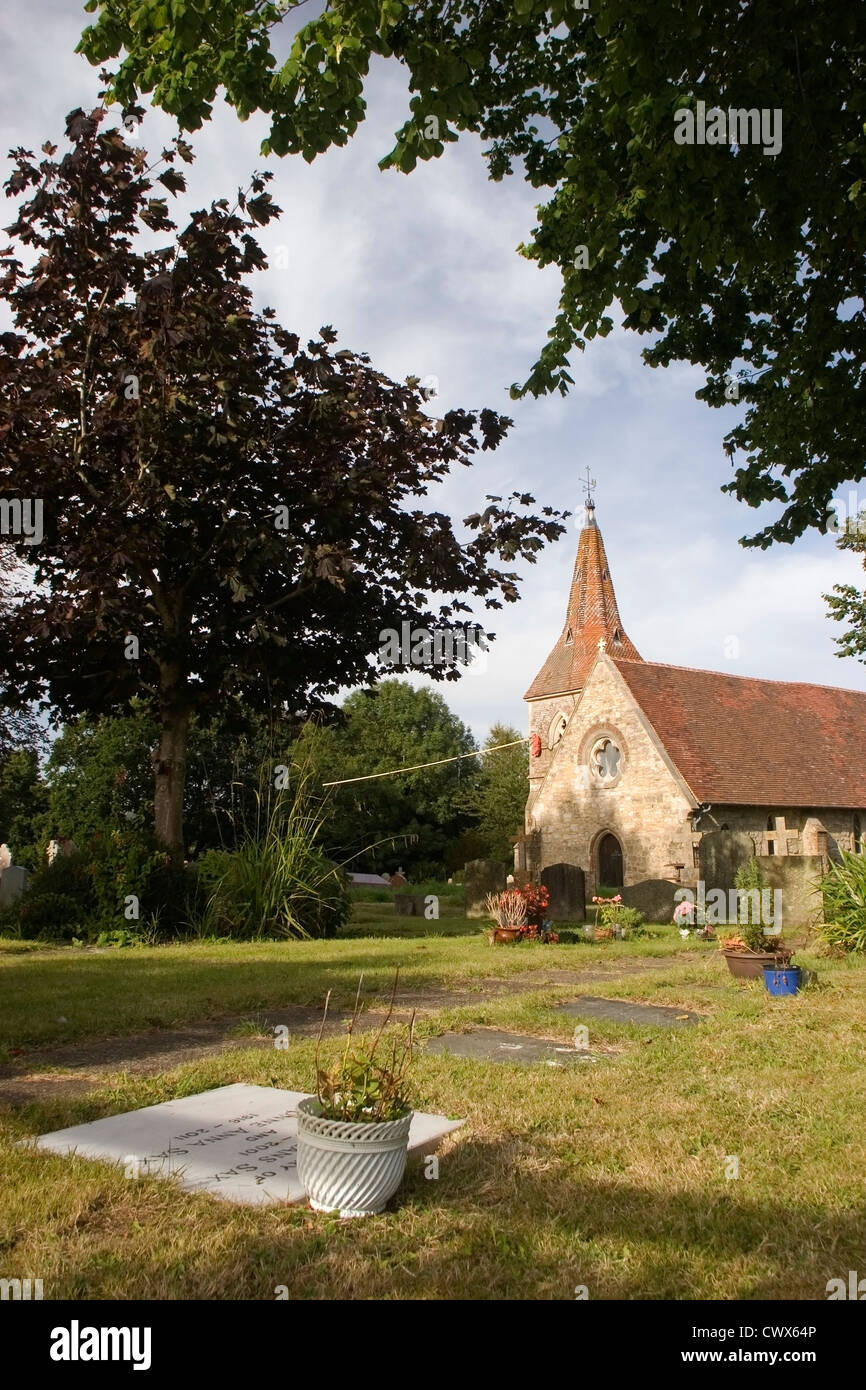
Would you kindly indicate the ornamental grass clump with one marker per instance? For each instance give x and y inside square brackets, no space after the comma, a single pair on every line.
[278,882]
[507,909]
[844,891]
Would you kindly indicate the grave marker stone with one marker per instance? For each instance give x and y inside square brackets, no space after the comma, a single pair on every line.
[566,884]
[480,877]
[236,1142]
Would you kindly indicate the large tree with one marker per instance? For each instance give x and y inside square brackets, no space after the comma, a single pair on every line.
[741,261]
[404,821]
[228,518]
[499,799]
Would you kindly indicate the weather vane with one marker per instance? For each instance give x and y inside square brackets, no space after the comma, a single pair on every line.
[588,486]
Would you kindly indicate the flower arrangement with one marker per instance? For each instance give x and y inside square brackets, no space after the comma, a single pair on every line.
[537,903]
[685,914]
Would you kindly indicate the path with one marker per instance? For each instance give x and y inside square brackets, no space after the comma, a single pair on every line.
[31,1075]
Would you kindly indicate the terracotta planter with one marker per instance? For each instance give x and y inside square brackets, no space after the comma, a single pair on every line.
[749,965]
[503,936]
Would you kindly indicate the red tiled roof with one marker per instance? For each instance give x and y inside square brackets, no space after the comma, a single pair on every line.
[592,615]
[742,741]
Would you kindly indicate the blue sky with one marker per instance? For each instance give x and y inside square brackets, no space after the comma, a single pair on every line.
[422,273]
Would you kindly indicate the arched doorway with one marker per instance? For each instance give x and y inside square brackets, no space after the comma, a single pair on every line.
[610,861]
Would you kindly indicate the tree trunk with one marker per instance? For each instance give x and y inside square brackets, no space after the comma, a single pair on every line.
[170,778]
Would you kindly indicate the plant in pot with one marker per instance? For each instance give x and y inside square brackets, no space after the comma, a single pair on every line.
[353,1135]
[603,932]
[756,945]
[508,912]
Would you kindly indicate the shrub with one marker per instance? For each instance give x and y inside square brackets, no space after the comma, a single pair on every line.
[844,891]
[618,915]
[84,894]
[749,879]
[59,901]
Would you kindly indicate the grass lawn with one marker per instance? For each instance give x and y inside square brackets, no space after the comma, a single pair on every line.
[609,1175]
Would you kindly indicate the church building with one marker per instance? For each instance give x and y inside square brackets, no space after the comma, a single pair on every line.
[633,763]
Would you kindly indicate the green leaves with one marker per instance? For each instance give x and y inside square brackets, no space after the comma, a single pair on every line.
[720,252]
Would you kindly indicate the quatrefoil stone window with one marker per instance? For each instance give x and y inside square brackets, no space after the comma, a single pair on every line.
[605,761]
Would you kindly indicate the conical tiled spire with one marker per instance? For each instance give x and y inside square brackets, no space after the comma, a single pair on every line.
[592,617]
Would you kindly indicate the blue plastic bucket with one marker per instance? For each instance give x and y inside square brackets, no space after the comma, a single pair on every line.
[782,980]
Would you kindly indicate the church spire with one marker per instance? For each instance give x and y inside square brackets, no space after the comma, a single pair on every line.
[592,617]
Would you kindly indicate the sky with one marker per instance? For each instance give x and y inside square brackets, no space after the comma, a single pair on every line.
[422,273]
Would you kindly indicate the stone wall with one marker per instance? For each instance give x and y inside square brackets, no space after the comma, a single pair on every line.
[794,830]
[796,876]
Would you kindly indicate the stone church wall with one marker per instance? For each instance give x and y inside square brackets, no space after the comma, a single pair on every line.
[780,831]
[645,808]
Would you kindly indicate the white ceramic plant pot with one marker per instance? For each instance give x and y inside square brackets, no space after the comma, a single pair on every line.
[350,1167]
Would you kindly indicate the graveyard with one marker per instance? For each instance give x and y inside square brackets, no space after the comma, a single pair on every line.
[706,1142]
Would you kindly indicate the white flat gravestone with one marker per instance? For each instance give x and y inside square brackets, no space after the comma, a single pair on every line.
[236,1142]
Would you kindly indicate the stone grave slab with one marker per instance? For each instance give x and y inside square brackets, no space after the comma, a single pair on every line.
[491,1045]
[236,1142]
[623,1011]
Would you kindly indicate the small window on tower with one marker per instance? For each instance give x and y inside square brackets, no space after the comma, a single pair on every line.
[569,640]
[617,637]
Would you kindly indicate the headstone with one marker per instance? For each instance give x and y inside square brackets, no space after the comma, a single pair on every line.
[13,881]
[654,897]
[566,884]
[409,904]
[491,1045]
[236,1142]
[721,854]
[624,1011]
[482,876]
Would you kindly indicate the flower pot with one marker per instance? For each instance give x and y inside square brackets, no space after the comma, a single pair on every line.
[782,979]
[504,935]
[349,1166]
[748,965]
